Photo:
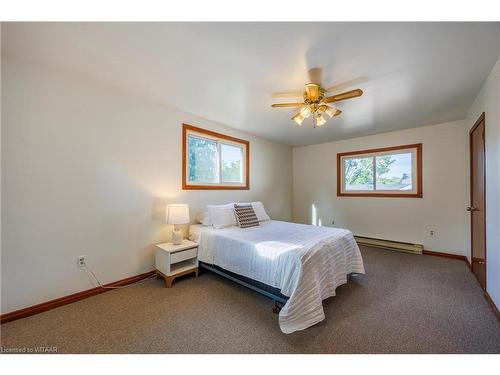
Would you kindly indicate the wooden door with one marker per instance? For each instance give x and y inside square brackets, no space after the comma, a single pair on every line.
[477,206]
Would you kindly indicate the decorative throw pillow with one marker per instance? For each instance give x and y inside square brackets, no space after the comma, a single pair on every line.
[259,209]
[245,215]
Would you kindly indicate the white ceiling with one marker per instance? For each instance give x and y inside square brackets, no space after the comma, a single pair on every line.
[413,74]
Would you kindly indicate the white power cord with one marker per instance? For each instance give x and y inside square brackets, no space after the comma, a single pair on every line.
[87,270]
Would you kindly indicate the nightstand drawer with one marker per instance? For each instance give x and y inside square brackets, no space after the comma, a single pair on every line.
[183,255]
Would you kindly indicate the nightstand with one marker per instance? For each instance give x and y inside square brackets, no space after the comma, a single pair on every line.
[172,261]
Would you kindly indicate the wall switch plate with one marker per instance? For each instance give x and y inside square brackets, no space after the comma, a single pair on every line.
[80,261]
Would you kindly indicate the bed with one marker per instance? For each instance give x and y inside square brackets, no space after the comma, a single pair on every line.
[305,263]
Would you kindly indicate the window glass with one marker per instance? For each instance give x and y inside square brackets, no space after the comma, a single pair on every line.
[203,160]
[358,174]
[394,172]
[231,163]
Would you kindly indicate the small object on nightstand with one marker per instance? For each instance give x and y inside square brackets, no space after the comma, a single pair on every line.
[172,261]
[177,214]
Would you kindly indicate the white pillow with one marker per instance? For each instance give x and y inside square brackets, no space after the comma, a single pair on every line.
[203,218]
[222,215]
[260,211]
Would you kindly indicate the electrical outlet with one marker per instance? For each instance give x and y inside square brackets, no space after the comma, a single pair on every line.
[432,233]
[80,261]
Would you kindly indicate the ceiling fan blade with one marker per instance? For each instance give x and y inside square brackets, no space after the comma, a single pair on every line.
[281,105]
[345,95]
[347,84]
[287,94]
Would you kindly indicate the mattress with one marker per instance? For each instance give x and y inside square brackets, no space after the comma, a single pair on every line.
[306,263]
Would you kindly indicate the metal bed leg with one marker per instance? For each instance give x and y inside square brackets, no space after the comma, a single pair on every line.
[277,308]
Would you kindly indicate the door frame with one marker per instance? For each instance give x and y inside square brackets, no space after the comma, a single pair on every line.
[482,118]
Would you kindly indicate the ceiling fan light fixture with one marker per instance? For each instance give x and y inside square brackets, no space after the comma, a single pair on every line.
[319,119]
[330,111]
[298,118]
[305,111]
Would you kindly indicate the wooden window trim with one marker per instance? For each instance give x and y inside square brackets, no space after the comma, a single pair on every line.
[186,186]
[417,194]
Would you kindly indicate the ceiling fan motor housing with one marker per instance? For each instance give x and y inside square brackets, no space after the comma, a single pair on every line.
[314,93]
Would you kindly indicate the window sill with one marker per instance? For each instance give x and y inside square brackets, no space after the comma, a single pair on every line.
[381,195]
[214,187]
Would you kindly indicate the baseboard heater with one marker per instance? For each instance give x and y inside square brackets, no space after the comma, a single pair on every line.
[392,245]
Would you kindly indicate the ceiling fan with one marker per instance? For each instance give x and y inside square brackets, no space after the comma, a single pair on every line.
[316,102]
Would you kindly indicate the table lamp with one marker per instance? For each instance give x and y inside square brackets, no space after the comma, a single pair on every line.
[177,214]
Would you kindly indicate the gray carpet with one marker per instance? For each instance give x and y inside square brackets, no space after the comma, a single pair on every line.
[404,304]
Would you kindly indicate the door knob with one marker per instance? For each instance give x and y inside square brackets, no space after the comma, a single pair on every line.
[480,262]
[470,209]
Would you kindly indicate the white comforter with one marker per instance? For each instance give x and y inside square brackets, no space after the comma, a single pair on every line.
[307,263]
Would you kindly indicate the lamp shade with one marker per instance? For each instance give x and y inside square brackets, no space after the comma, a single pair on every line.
[177,213]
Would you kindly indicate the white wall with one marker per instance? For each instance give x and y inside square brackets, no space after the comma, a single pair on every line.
[88,170]
[441,209]
[488,101]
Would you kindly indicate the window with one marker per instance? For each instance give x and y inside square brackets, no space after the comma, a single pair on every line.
[213,161]
[383,172]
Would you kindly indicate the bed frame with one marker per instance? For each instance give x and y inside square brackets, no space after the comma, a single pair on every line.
[274,294]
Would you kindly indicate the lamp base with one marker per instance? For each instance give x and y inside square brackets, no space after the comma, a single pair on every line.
[176,237]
